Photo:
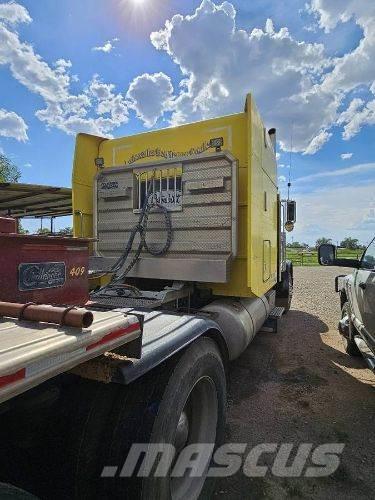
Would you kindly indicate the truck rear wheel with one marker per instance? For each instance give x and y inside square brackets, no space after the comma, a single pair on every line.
[189,409]
[284,289]
[180,403]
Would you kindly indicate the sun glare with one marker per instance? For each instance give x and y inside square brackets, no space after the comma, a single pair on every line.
[143,16]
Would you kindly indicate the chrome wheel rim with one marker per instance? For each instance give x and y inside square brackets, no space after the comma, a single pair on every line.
[197,424]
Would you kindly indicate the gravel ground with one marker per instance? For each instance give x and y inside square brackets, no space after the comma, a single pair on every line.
[299,386]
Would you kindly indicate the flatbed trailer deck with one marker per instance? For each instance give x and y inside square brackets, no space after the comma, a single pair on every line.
[32,352]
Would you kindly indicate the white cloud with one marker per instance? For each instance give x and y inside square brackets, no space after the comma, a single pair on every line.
[150,96]
[14,13]
[71,114]
[108,102]
[28,165]
[62,65]
[357,115]
[12,125]
[355,169]
[282,178]
[368,221]
[335,213]
[107,47]
[220,63]
[84,112]
[29,69]
[296,85]
[346,156]
[356,68]
[99,90]
[317,142]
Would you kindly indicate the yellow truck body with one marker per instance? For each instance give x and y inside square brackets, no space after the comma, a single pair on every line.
[254,269]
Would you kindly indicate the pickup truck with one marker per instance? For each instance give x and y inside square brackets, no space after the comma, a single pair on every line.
[357,298]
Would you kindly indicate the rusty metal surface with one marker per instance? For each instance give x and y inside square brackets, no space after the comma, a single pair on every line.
[77,318]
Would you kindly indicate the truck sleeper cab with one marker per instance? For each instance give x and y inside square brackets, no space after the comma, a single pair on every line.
[215,202]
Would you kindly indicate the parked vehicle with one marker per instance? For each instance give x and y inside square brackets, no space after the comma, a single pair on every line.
[187,239]
[357,298]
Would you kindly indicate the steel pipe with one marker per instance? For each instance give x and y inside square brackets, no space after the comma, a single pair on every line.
[68,316]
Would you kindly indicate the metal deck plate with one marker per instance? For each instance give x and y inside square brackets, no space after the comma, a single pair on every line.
[277,312]
[116,302]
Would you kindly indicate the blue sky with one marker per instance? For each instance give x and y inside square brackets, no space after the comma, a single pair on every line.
[115,68]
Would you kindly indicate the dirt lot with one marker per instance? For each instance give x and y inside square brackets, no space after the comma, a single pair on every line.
[299,386]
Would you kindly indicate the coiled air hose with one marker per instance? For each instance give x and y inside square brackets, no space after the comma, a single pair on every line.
[118,274]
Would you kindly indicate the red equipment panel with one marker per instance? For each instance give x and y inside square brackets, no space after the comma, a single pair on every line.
[40,269]
[8,225]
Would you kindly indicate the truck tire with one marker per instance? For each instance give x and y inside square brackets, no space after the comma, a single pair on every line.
[81,455]
[350,346]
[284,289]
[10,492]
[180,403]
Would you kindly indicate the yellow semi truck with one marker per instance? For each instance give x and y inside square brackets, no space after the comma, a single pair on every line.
[226,201]
[188,242]
[189,227]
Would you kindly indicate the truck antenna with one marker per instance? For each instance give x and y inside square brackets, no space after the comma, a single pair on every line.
[290,159]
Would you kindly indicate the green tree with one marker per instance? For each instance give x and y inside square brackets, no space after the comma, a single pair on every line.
[21,229]
[297,244]
[43,230]
[9,172]
[322,240]
[350,243]
[66,231]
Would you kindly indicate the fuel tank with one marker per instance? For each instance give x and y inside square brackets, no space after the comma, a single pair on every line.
[240,319]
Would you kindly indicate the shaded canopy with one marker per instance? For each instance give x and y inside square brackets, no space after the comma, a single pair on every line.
[32,200]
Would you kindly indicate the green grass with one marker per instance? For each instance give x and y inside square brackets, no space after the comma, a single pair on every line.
[301,257]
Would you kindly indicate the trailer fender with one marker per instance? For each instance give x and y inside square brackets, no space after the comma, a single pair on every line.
[164,335]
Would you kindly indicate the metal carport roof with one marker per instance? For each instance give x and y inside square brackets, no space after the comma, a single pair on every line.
[33,200]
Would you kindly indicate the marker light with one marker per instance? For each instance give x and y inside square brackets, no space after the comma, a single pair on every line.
[99,162]
[217,143]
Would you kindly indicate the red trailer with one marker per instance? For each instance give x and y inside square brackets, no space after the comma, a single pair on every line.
[8,225]
[43,269]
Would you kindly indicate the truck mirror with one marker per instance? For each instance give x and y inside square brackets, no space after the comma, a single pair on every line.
[327,254]
[291,212]
[289,226]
